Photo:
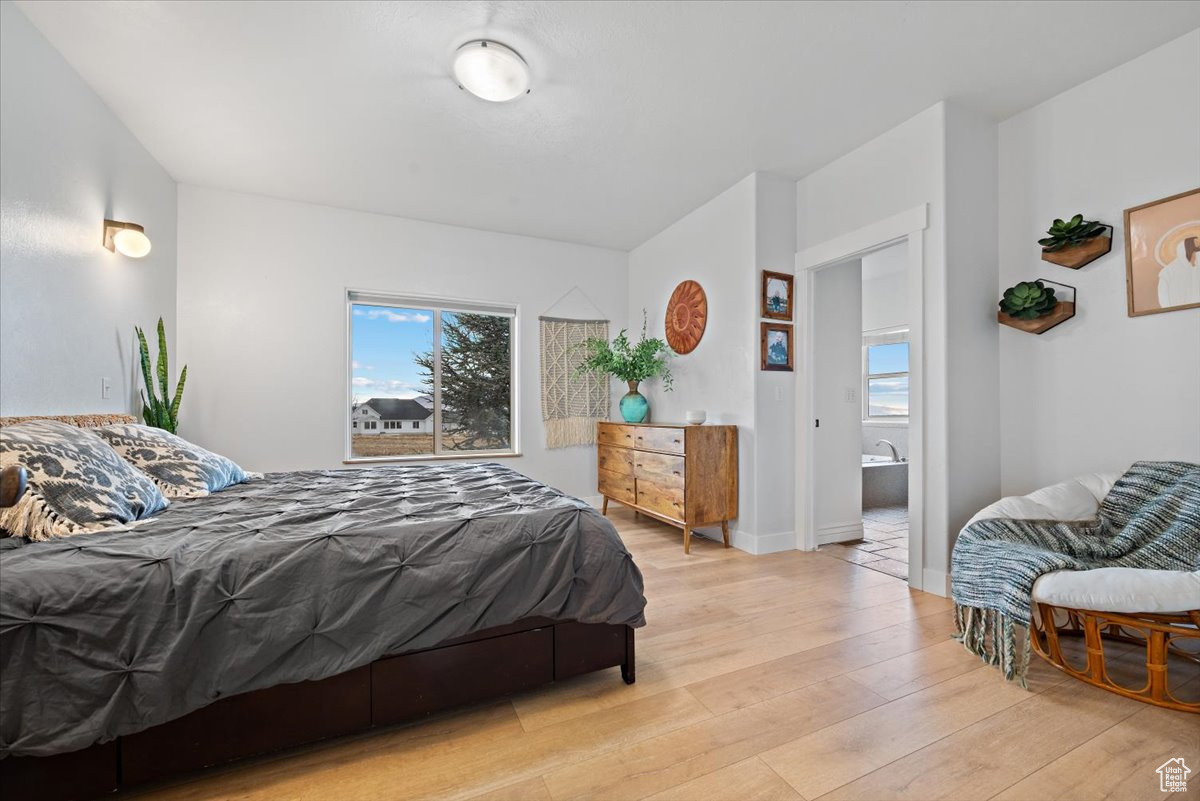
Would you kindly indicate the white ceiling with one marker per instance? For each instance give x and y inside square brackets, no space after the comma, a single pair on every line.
[639,112]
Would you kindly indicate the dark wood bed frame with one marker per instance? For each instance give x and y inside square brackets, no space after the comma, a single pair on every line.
[392,690]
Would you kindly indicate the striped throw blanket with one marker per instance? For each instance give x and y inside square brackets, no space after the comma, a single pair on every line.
[1150,519]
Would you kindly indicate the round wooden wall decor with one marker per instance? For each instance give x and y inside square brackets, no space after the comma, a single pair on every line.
[687,314]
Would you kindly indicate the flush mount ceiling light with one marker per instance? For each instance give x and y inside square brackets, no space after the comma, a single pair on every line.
[491,71]
[128,239]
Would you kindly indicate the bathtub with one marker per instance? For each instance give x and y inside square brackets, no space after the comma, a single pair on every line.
[884,482]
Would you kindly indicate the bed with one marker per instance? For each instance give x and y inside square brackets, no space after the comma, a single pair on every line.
[296,607]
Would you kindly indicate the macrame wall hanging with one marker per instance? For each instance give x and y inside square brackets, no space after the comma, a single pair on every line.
[571,404]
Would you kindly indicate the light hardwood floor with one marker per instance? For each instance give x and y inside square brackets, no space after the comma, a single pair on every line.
[791,676]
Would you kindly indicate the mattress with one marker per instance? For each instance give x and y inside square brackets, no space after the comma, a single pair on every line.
[292,577]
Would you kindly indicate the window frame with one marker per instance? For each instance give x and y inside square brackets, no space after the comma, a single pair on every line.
[883,336]
[437,304]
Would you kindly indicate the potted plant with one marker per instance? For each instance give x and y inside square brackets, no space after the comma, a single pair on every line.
[1028,300]
[632,364]
[159,412]
[1075,242]
[1035,308]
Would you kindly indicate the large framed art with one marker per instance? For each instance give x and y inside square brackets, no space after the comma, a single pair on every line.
[1162,254]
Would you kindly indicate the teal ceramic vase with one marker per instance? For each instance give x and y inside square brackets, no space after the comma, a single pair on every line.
[634,406]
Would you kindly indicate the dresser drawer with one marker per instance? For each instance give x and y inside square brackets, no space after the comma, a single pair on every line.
[617,486]
[659,439]
[665,500]
[659,468]
[610,434]
[615,460]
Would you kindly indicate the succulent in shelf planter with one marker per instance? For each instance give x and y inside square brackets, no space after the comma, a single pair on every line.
[1028,300]
[1071,232]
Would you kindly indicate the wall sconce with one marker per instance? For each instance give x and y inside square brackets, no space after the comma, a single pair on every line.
[128,239]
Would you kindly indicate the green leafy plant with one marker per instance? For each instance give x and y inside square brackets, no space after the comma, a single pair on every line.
[1071,232]
[1028,300]
[155,411]
[628,362]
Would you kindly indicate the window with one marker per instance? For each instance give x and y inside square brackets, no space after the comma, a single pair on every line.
[442,371]
[885,375]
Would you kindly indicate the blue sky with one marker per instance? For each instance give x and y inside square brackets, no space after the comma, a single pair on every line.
[383,341]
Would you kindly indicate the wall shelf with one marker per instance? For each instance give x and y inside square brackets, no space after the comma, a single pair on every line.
[1084,253]
[1063,311]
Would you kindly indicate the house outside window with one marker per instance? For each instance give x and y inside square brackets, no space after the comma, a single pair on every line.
[885,375]
[440,375]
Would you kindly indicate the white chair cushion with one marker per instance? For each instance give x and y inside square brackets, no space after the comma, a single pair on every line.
[1106,589]
[1120,589]
[1077,499]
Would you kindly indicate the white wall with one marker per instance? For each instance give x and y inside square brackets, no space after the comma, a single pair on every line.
[972,334]
[67,305]
[262,318]
[714,245]
[892,173]
[1102,389]
[775,398]
[837,371]
[885,288]
[723,245]
[944,157]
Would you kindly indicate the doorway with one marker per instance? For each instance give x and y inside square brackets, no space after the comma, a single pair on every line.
[860,403]
[861,407]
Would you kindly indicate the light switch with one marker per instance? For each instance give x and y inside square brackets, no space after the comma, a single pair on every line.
[105,388]
[851,394]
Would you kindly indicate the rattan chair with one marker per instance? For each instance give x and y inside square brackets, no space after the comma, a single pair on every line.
[1162,635]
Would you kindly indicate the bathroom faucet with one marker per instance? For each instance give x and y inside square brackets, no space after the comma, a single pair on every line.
[895,453]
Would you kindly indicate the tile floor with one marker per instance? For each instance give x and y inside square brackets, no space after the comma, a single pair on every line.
[884,546]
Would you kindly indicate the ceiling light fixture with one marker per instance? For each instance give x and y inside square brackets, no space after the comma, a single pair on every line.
[491,71]
[128,239]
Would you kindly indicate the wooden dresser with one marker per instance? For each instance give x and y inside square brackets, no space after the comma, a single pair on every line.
[679,474]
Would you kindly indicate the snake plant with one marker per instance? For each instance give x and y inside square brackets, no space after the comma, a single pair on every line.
[1028,300]
[1071,232]
[157,411]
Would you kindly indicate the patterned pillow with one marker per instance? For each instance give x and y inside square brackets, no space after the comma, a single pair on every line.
[77,483]
[179,468]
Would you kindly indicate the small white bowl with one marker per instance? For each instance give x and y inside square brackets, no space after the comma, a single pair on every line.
[695,417]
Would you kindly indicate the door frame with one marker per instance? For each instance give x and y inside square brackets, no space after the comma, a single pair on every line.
[909,227]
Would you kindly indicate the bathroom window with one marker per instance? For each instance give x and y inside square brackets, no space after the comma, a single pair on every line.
[885,375]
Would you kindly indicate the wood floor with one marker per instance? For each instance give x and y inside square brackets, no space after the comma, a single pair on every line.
[791,676]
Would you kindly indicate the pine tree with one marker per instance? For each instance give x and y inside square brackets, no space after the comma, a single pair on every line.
[476,381]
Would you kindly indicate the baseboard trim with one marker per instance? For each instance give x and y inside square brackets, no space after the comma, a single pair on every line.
[840,532]
[760,544]
[935,582]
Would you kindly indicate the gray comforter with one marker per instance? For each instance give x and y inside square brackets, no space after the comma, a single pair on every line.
[290,577]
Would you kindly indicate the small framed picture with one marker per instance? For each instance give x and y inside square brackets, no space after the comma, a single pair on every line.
[1162,254]
[776,295]
[776,346]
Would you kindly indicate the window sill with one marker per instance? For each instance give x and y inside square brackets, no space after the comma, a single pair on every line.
[885,423]
[478,456]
